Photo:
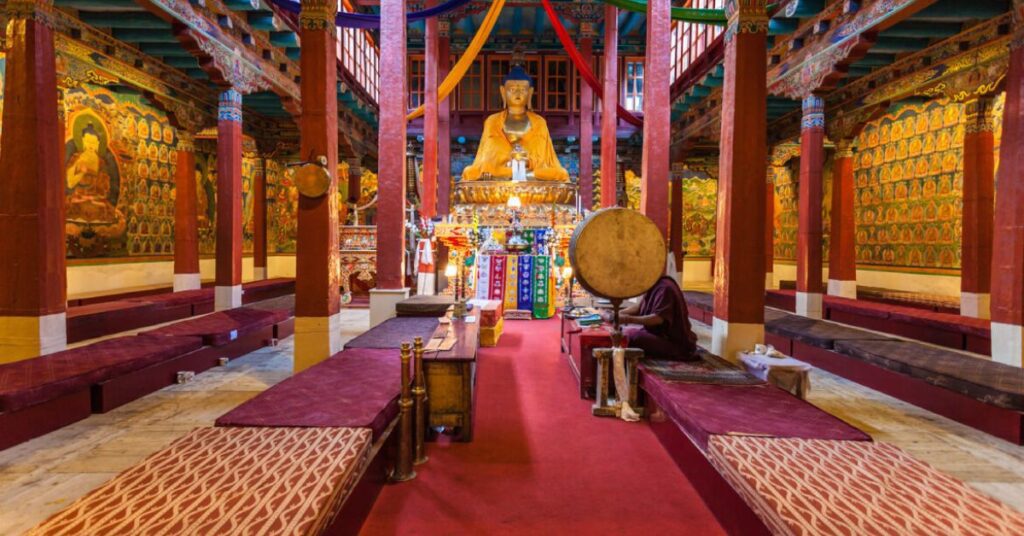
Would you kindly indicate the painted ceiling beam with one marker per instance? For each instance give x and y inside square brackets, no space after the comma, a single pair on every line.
[804,8]
[876,60]
[242,5]
[632,23]
[136,21]
[914,28]
[779,26]
[284,39]
[517,20]
[181,62]
[164,50]
[958,10]
[99,4]
[262,20]
[144,36]
[896,45]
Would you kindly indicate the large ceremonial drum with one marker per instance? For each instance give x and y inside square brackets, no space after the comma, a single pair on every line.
[617,253]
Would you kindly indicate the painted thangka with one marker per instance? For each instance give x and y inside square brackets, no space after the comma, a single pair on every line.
[520,282]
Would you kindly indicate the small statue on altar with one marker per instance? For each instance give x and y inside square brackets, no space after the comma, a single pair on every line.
[515,144]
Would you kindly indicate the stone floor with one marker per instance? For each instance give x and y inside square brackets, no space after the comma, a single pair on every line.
[42,476]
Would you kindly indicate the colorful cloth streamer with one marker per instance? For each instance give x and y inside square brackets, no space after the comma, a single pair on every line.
[525,283]
[497,278]
[512,282]
[542,302]
[483,277]
[367,21]
[686,14]
[466,61]
[582,67]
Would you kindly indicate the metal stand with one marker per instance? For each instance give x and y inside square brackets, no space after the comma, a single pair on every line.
[419,393]
[403,465]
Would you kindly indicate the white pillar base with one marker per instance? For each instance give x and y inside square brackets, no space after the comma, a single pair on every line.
[727,339]
[259,273]
[382,303]
[184,282]
[769,280]
[227,297]
[808,304]
[975,305]
[843,289]
[24,337]
[1008,344]
[316,339]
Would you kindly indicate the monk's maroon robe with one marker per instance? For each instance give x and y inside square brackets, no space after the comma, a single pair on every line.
[673,339]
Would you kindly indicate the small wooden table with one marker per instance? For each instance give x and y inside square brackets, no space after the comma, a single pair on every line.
[785,373]
[451,382]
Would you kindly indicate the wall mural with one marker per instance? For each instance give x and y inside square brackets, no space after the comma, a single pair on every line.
[908,172]
[700,200]
[283,203]
[206,189]
[785,218]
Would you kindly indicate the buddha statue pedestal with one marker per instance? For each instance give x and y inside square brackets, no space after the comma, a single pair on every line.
[497,192]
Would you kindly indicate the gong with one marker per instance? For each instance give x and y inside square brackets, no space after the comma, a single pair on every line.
[312,180]
[617,253]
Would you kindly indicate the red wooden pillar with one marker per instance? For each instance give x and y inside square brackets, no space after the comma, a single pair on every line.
[809,229]
[609,102]
[739,252]
[675,242]
[428,207]
[657,112]
[317,258]
[444,134]
[842,254]
[391,175]
[1008,252]
[186,223]
[33,283]
[976,225]
[586,178]
[259,221]
[228,285]
[769,230]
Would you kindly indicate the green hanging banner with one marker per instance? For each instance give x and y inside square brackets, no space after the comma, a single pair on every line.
[714,17]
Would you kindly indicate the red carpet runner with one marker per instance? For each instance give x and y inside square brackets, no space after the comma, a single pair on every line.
[539,463]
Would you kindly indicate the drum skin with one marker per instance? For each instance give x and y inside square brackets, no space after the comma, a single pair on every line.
[617,253]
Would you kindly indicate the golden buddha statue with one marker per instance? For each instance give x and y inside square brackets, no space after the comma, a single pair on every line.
[516,144]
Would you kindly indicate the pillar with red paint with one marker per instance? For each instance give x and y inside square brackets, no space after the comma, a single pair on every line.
[391,176]
[586,179]
[675,242]
[33,290]
[186,222]
[769,229]
[739,252]
[228,285]
[259,220]
[657,106]
[609,103]
[809,229]
[842,254]
[428,207]
[978,199]
[444,133]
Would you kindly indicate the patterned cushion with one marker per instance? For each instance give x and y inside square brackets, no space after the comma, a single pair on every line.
[171,299]
[394,331]
[220,328]
[987,381]
[817,332]
[704,410]
[34,381]
[802,486]
[287,481]
[356,388]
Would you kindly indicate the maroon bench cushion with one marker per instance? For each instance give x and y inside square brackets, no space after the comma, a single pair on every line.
[866,308]
[423,305]
[354,388]
[781,299]
[218,329]
[986,381]
[704,410]
[172,299]
[817,332]
[702,300]
[36,380]
[110,308]
[266,284]
[942,321]
[394,331]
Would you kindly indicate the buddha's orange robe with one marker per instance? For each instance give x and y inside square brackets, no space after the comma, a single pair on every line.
[495,152]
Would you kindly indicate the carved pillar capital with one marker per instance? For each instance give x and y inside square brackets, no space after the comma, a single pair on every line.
[746,16]
[979,115]
[186,141]
[844,148]
[1018,25]
[813,113]
[230,106]
[318,14]
[40,11]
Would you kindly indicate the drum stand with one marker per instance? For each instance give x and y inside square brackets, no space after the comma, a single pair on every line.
[604,361]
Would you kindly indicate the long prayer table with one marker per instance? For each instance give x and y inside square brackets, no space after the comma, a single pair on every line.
[451,381]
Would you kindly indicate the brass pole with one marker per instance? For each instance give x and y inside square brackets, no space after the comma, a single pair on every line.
[419,393]
[403,465]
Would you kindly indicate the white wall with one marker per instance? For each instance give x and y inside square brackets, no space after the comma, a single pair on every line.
[92,278]
[942,285]
[280,266]
[697,270]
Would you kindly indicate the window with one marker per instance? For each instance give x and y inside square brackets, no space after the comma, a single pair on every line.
[690,40]
[557,86]
[497,67]
[417,80]
[471,88]
[634,94]
[359,56]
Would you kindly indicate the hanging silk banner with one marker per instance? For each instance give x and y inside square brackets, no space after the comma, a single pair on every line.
[511,282]
[542,287]
[367,21]
[466,60]
[483,277]
[525,283]
[497,278]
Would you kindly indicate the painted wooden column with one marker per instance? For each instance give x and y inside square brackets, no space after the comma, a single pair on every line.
[675,241]
[444,132]
[391,176]
[228,285]
[657,113]
[33,284]
[186,222]
[259,220]
[739,251]
[609,102]
[842,254]
[769,229]
[1008,251]
[978,199]
[586,179]
[317,258]
[809,228]
[428,204]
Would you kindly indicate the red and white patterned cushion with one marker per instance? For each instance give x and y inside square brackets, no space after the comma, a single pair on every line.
[287,481]
[819,487]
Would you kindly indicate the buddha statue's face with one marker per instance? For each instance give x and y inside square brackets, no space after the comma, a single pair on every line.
[516,94]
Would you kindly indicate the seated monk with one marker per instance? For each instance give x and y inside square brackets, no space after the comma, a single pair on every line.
[660,324]
[519,129]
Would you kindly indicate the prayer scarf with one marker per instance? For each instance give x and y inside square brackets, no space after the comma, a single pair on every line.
[497,278]
[511,282]
[525,283]
[483,277]
[542,287]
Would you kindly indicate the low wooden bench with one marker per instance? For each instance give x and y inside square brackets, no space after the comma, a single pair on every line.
[266,289]
[424,305]
[107,318]
[392,332]
[451,382]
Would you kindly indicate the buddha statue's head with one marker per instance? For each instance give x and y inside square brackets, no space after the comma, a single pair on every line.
[517,90]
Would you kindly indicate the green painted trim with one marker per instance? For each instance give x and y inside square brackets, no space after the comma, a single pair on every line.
[714,17]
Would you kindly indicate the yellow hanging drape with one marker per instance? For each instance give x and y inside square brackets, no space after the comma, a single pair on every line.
[464,63]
